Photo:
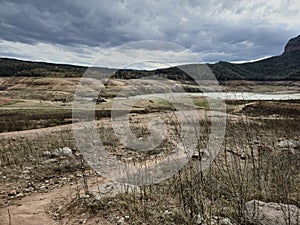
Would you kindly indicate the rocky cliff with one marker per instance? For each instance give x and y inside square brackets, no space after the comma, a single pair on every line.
[292,45]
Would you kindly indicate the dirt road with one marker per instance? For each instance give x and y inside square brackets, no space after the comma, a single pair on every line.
[31,210]
[37,208]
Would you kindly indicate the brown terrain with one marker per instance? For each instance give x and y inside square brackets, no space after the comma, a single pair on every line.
[44,178]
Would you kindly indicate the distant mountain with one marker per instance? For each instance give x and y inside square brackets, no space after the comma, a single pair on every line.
[282,67]
[15,67]
[19,68]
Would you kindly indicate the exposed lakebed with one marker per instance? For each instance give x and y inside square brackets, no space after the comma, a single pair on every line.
[221,95]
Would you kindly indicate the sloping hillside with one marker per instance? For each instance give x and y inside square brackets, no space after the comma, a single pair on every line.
[282,67]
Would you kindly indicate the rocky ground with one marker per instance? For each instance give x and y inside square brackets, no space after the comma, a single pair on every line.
[44,178]
[37,188]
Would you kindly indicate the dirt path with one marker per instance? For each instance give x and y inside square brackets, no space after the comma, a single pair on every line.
[35,209]
[31,210]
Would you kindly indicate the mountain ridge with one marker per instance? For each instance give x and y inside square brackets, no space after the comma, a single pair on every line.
[292,45]
[282,67]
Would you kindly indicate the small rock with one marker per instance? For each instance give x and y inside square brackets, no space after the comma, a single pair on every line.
[13,193]
[43,187]
[28,168]
[85,196]
[46,154]
[95,141]
[78,174]
[225,221]
[66,151]
[83,221]
[200,220]
[121,221]
[20,195]
[48,161]
[26,171]
[28,190]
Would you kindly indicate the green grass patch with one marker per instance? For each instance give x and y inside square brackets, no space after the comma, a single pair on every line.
[12,102]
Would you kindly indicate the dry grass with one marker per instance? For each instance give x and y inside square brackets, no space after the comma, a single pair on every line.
[251,166]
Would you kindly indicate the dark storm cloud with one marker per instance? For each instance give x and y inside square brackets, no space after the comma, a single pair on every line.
[55,22]
[217,30]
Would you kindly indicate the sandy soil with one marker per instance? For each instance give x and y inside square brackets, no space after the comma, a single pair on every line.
[32,210]
[35,209]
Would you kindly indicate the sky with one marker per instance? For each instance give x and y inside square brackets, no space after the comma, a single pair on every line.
[90,32]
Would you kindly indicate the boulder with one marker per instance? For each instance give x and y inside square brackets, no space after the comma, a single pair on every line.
[288,144]
[65,151]
[259,212]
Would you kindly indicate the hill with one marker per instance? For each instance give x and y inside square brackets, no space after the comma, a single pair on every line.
[282,67]
[14,67]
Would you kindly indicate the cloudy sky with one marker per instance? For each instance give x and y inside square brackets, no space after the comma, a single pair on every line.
[84,31]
